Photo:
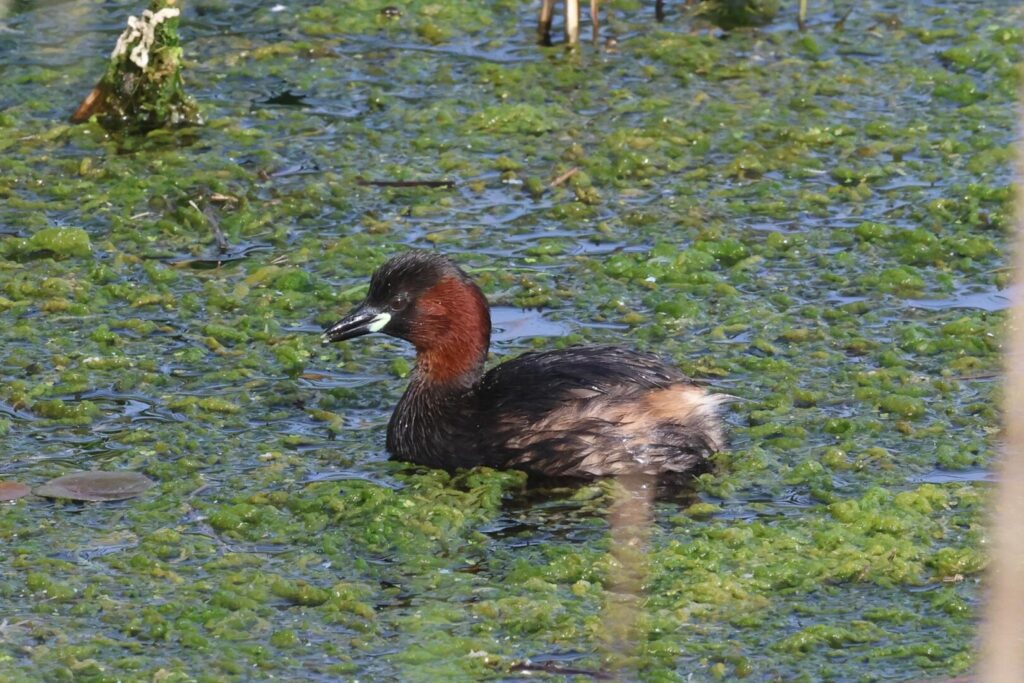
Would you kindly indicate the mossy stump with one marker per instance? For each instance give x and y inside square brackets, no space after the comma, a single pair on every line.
[143,88]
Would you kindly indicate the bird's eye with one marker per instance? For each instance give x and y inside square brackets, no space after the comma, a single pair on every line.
[398,303]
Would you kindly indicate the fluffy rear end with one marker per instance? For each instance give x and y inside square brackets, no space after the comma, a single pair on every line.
[629,430]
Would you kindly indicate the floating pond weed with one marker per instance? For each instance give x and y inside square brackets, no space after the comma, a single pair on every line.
[816,223]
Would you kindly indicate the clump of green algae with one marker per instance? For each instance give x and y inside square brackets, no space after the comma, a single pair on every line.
[731,14]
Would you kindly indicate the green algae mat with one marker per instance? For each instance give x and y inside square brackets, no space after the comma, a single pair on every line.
[814,222]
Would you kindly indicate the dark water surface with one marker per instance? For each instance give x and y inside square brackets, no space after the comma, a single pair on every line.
[813,222]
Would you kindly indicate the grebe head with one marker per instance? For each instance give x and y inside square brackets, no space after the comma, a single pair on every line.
[426,299]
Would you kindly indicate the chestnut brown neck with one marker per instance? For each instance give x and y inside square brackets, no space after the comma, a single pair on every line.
[452,332]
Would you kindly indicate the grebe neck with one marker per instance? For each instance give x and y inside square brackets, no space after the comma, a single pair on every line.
[452,334]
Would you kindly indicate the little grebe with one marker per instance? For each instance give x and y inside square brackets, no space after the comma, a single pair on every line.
[580,411]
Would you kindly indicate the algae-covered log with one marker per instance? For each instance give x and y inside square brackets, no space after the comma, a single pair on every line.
[142,88]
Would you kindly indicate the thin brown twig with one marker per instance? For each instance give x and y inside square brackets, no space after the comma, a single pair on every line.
[552,668]
[201,489]
[446,184]
[218,234]
[841,24]
[980,376]
[565,176]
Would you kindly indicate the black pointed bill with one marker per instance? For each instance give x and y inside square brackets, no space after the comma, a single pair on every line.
[363,320]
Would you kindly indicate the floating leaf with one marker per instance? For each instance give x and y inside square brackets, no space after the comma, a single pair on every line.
[96,486]
[12,490]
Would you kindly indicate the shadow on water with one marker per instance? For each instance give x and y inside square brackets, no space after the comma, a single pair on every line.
[498,54]
[983,300]
[514,323]
[577,511]
[971,475]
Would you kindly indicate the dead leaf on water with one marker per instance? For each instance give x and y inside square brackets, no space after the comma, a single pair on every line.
[12,490]
[95,486]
